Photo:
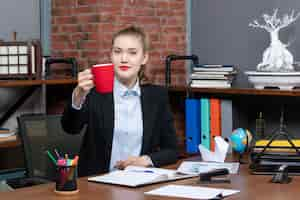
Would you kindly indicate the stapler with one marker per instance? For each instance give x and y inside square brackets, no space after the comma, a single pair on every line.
[213,176]
[281,175]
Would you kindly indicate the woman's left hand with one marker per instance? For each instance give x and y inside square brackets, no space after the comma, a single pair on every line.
[142,161]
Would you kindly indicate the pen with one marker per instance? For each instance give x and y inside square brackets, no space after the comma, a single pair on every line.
[57,154]
[51,157]
[143,171]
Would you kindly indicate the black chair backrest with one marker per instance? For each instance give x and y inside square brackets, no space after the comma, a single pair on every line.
[39,133]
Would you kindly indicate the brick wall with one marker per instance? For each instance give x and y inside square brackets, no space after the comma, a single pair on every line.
[84,28]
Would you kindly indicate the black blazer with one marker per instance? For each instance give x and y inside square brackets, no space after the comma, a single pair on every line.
[159,138]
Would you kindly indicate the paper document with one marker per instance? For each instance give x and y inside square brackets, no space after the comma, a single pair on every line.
[219,155]
[192,192]
[2,135]
[133,176]
[192,167]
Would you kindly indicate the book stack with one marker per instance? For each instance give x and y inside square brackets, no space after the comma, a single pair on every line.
[212,76]
[7,135]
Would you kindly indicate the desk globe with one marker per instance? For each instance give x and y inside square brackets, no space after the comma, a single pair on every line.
[240,140]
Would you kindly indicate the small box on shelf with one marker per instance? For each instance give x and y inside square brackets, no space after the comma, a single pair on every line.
[20,60]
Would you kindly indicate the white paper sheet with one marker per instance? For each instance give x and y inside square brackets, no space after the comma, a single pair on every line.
[219,155]
[192,192]
[4,135]
[193,167]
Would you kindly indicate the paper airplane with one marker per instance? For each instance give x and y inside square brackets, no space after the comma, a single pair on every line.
[219,155]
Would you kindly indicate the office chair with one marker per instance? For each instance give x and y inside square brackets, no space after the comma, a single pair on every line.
[39,133]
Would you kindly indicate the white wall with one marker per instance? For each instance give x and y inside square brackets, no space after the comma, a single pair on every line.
[20,16]
[24,18]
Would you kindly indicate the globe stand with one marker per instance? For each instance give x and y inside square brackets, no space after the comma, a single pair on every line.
[240,159]
[239,146]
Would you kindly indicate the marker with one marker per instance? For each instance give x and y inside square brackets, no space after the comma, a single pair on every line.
[75,161]
[69,162]
[51,157]
[61,162]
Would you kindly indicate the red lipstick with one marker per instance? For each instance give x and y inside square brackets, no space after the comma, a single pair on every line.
[124,68]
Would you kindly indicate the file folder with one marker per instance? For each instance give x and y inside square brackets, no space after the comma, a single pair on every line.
[226,118]
[192,124]
[215,120]
[205,122]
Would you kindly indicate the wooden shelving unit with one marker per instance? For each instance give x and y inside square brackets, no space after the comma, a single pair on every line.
[33,84]
[246,103]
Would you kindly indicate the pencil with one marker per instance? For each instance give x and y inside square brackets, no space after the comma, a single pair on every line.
[51,157]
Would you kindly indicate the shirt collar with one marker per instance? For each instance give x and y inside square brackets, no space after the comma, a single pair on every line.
[121,90]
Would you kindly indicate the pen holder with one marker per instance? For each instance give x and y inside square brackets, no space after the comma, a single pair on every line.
[66,180]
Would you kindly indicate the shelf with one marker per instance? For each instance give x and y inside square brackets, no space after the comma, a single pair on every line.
[22,83]
[238,91]
[32,86]
[10,142]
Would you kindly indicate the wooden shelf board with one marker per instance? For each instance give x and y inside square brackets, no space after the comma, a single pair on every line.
[238,91]
[10,142]
[21,83]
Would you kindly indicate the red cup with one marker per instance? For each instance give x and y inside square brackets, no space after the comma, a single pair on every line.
[103,77]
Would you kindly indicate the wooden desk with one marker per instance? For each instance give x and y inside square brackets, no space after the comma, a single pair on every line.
[251,187]
[8,142]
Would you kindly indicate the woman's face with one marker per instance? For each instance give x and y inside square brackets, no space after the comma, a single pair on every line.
[127,56]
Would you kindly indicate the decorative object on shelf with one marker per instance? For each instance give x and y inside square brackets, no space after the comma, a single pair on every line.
[278,62]
[260,126]
[20,60]
[276,58]
[282,80]
[240,141]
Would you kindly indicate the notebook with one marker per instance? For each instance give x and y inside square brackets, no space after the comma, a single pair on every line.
[133,176]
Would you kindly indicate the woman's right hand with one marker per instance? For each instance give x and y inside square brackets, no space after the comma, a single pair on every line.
[85,84]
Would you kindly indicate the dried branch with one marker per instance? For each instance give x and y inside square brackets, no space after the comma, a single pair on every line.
[273,23]
[288,19]
[255,24]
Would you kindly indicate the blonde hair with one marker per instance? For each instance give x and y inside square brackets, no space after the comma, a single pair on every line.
[139,33]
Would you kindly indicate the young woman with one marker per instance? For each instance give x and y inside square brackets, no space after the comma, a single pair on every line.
[130,126]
